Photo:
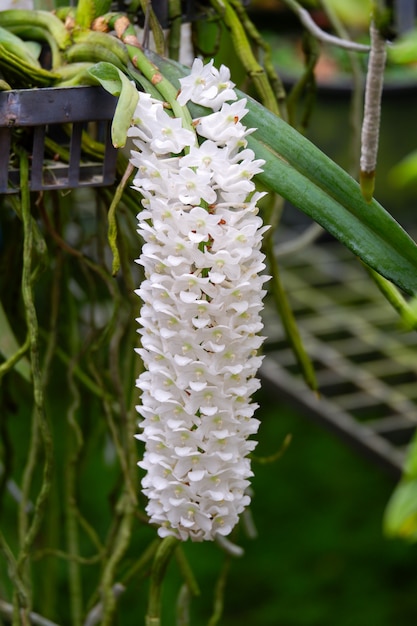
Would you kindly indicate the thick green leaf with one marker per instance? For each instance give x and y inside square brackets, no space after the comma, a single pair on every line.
[311,181]
[115,82]
[366,229]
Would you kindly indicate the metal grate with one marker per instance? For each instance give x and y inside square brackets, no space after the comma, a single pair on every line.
[365,364]
[30,116]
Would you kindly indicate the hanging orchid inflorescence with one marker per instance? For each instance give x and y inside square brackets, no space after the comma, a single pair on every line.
[202,297]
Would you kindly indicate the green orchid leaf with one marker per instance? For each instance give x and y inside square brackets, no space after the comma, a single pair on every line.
[365,228]
[312,182]
[117,83]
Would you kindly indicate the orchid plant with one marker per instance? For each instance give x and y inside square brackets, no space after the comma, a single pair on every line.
[208,167]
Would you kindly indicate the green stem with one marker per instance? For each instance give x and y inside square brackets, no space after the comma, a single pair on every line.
[165,88]
[306,84]
[59,554]
[356,106]
[20,591]
[175,15]
[243,50]
[183,606]
[29,469]
[123,459]
[281,300]
[395,298]
[84,13]
[92,534]
[28,532]
[127,34]
[287,317]
[258,40]
[75,443]
[163,556]
[141,565]
[118,550]
[187,572]
[112,219]
[81,375]
[218,604]
[156,28]
[15,358]
[126,415]
[49,584]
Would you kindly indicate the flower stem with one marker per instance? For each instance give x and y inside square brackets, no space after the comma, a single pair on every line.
[187,572]
[163,555]
[112,219]
[174,7]
[40,427]
[244,52]
[118,549]
[74,446]
[282,304]
[356,102]
[258,41]
[219,593]
[395,298]
[127,34]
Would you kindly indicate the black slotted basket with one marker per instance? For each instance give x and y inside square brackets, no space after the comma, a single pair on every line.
[31,115]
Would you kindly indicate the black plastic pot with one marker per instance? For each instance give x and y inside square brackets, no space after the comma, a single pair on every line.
[29,116]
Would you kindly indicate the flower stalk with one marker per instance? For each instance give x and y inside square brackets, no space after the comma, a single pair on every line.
[162,558]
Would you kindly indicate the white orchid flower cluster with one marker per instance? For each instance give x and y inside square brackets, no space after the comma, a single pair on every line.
[202,297]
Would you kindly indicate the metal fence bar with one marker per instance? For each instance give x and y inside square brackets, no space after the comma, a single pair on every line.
[366,366]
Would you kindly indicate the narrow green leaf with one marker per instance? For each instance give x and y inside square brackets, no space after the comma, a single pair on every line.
[311,181]
[287,317]
[373,235]
[322,189]
[116,83]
